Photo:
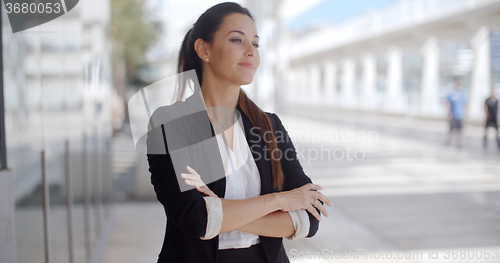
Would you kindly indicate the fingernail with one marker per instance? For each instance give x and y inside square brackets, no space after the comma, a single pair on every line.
[187,180]
[189,167]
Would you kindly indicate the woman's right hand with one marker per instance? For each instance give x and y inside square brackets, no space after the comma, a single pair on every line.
[304,197]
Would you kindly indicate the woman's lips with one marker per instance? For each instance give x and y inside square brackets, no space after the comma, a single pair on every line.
[248,65]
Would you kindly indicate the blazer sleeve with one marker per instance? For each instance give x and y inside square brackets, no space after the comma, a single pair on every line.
[187,210]
[292,170]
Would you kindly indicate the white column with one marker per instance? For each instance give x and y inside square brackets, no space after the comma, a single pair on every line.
[369,82]
[481,73]
[330,82]
[347,92]
[304,84]
[314,84]
[294,86]
[429,95]
[393,101]
[290,91]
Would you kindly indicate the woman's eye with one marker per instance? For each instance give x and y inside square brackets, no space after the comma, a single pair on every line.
[238,40]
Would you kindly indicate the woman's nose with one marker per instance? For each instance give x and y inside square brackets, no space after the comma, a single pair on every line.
[250,50]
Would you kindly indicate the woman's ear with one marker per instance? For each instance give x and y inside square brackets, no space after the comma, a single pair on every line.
[202,48]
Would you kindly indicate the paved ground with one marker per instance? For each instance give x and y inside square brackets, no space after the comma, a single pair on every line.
[138,233]
[395,186]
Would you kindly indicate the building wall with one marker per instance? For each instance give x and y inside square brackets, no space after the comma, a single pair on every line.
[57,89]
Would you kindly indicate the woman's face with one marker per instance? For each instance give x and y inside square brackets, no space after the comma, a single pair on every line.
[233,54]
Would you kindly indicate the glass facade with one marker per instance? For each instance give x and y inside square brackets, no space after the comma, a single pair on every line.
[57,88]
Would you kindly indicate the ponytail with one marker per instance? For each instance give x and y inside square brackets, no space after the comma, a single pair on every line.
[259,118]
[188,60]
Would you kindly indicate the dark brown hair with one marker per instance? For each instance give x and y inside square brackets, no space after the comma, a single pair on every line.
[205,27]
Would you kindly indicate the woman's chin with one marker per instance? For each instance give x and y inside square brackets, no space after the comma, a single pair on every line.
[246,80]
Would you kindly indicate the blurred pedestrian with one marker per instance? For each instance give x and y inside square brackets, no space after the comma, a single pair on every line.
[456,104]
[491,109]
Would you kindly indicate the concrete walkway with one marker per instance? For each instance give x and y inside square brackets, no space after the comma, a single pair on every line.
[404,192]
[138,233]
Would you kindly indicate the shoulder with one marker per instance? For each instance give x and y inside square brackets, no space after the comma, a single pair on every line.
[167,113]
[270,115]
[274,119]
[276,123]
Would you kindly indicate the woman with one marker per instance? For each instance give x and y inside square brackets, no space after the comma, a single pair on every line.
[264,194]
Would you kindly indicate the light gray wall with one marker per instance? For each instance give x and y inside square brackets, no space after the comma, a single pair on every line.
[7,223]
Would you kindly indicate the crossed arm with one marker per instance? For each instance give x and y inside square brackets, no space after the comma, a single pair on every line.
[260,215]
[275,224]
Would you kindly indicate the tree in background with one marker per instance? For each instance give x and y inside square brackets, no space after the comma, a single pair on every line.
[131,35]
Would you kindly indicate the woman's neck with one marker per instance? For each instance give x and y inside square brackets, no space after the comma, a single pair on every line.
[220,97]
[220,102]
[219,93]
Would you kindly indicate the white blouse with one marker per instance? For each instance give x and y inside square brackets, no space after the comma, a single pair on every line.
[242,182]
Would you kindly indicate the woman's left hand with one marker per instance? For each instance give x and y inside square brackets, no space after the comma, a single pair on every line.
[194,179]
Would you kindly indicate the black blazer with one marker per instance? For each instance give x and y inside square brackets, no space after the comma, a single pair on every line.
[186,210]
